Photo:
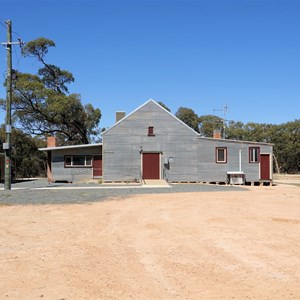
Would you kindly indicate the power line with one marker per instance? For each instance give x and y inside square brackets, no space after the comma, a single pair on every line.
[16,33]
[18,59]
[1,23]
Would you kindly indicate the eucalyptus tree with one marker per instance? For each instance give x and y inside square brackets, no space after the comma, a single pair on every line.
[189,117]
[164,106]
[209,123]
[42,104]
[27,160]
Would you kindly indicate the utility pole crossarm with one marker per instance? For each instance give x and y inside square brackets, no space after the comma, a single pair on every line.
[12,43]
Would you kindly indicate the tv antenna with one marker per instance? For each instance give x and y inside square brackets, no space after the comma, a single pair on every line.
[224,110]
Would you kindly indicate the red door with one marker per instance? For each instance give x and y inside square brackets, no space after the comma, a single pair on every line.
[97,166]
[49,166]
[265,166]
[151,166]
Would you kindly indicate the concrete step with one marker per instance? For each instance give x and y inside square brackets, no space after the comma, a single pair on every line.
[158,182]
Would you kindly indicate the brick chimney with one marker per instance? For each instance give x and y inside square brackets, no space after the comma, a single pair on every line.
[52,141]
[120,115]
[217,134]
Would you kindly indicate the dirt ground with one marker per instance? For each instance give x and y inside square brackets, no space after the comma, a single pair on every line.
[207,245]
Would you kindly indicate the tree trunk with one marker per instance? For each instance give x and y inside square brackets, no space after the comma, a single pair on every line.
[276,164]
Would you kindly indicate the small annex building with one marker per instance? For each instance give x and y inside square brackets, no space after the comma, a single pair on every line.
[73,163]
[152,143]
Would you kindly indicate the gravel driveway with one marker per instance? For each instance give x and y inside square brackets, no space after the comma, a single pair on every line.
[38,191]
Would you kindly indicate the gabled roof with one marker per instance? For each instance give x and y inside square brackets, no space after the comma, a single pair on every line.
[162,108]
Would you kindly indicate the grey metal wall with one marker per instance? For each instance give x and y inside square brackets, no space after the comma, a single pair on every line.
[60,173]
[193,157]
[123,144]
[209,170]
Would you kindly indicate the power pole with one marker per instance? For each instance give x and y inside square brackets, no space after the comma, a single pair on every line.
[7,144]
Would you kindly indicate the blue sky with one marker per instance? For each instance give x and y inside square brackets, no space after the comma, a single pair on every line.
[197,54]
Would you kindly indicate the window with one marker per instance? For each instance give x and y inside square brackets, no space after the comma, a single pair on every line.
[151,131]
[221,155]
[254,154]
[78,161]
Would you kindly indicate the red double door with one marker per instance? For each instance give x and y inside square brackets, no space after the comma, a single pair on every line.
[151,166]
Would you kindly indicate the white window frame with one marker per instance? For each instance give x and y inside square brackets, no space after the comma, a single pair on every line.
[78,166]
[225,155]
[254,155]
